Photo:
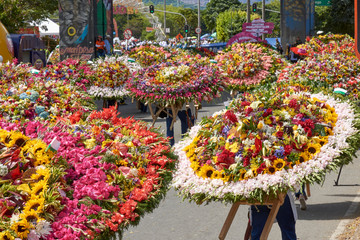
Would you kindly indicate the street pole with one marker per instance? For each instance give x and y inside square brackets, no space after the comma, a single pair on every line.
[263,16]
[248,11]
[198,23]
[165,18]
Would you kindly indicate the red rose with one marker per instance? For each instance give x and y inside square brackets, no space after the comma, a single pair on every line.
[231,116]
[225,159]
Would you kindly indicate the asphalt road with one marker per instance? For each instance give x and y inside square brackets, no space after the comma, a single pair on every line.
[329,208]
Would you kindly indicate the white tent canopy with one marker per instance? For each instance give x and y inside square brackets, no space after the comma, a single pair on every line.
[48,27]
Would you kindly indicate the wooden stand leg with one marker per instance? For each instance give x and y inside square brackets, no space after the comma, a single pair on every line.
[270,220]
[229,221]
[308,193]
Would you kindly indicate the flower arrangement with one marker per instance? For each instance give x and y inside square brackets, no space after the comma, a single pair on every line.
[248,65]
[175,83]
[335,63]
[30,198]
[109,172]
[54,57]
[263,144]
[148,55]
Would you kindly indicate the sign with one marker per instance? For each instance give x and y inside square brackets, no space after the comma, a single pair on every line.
[243,37]
[127,34]
[322,3]
[149,29]
[198,30]
[258,27]
[167,30]
[179,36]
[119,9]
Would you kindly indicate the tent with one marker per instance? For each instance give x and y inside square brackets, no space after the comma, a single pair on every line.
[48,27]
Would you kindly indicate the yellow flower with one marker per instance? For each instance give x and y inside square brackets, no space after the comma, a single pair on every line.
[41,174]
[30,216]
[35,203]
[313,148]
[6,236]
[206,171]
[90,143]
[304,156]
[242,173]
[18,139]
[21,228]
[279,164]
[39,188]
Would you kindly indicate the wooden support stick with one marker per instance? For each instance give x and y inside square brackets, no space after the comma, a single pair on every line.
[308,193]
[152,114]
[174,115]
[272,215]
[229,221]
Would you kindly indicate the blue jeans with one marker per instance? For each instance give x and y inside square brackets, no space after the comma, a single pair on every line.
[285,219]
[184,124]
[302,191]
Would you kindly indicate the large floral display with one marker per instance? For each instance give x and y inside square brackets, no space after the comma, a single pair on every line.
[26,96]
[148,55]
[263,144]
[248,65]
[105,174]
[176,83]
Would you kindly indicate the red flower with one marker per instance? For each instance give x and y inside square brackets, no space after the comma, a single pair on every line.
[231,116]
[246,161]
[245,103]
[258,144]
[293,103]
[267,112]
[225,159]
[287,149]
[248,110]
[279,134]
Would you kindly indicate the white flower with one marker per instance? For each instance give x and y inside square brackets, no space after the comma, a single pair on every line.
[43,228]
[3,170]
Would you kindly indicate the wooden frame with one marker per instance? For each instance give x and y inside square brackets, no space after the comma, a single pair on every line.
[275,203]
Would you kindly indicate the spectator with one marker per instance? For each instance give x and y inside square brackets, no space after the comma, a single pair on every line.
[100,47]
[108,45]
[279,47]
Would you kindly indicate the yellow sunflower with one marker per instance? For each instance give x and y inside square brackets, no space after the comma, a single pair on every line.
[21,228]
[242,173]
[216,174]
[206,171]
[271,169]
[18,139]
[30,216]
[35,203]
[41,174]
[3,135]
[321,140]
[313,148]
[6,236]
[279,164]
[196,167]
[304,156]
[8,139]
[39,188]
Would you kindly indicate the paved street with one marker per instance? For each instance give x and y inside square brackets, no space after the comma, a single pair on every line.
[329,207]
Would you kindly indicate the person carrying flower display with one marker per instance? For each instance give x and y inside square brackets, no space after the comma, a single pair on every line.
[186,118]
[286,218]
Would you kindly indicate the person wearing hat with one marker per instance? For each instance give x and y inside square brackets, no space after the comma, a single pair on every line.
[108,45]
[100,47]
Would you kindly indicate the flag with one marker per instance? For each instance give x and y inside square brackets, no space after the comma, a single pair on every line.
[54,145]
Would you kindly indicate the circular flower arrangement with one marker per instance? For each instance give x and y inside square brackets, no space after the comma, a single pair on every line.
[247,65]
[148,55]
[107,172]
[265,144]
[175,83]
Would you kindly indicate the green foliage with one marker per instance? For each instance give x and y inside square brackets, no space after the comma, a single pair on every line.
[15,14]
[229,23]
[215,7]
[337,18]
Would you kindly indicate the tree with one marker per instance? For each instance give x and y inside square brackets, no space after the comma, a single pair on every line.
[15,14]
[337,18]
[273,17]
[215,7]
[230,23]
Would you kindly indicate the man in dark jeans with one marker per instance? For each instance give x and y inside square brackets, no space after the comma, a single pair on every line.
[186,119]
[286,219]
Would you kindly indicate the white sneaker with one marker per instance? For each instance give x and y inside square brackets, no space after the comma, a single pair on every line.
[302,202]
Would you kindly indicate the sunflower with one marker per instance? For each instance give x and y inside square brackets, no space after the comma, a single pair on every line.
[206,171]
[21,228]
[18,139]
[321,140]
[313,148]
[6,236]
[216,174]
[39,188]
[35,203]
[242,173]
[41,174]
[271,169]
[304,156]
[30,216]
[3,135]
[8,139]
[279,164]
[196,167]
